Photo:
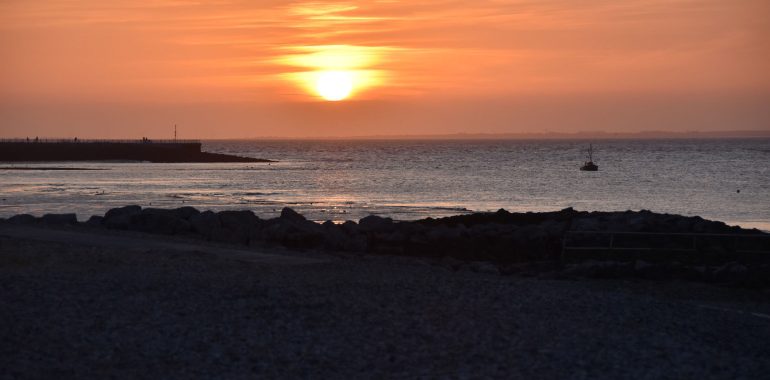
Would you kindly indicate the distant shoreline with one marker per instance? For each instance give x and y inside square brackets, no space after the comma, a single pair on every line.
[587,135]
[582,135]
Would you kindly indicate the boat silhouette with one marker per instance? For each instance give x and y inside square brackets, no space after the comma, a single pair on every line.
[589,165]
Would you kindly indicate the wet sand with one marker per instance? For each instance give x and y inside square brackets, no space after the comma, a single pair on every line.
[80,304]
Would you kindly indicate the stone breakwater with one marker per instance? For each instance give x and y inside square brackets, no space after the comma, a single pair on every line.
[502,242]
[101,150]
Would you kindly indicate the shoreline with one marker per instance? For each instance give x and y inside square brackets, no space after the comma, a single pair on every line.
[422,211]
[562,243]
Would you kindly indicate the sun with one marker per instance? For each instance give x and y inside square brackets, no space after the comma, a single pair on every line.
[334,85]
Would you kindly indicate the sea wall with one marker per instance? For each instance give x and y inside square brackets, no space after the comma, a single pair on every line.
[94,150]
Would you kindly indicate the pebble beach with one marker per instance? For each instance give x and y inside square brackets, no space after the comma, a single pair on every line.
[139,306]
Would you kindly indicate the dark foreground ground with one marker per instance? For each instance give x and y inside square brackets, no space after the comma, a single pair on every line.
[128,305]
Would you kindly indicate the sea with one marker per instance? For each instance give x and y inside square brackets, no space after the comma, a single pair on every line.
[726,179]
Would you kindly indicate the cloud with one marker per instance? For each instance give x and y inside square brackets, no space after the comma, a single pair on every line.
[170,51]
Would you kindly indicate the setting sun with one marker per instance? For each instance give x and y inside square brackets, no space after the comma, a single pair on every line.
[334,85]
[300,174]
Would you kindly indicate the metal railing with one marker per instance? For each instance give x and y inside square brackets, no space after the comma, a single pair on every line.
[98,141]
[608,241]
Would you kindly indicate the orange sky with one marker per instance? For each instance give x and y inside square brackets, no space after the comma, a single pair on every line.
[246,69]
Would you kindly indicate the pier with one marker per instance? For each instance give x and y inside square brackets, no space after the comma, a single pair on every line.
[40,150]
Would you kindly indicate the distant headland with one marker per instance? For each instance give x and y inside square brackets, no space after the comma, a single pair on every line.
[106,150]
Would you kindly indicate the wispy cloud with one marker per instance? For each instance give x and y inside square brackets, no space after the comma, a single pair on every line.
[245,51]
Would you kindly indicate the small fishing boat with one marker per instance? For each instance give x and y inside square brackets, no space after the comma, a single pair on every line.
[589,165]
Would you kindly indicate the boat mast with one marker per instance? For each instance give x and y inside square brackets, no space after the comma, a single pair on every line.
[590,153]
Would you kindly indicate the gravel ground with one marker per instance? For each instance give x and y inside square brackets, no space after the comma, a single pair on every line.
[82,311]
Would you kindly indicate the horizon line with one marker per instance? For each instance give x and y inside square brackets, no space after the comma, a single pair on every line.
[582,135]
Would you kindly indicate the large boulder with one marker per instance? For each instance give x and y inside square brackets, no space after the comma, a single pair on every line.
[336,238]
[204,223]
[291,216]
[375,223]
[120,218]
[22,219]
[237,219]
[95,221]
[350,227]
[185,213]
[125,210]
[235,226]
[59,219]
[160,221]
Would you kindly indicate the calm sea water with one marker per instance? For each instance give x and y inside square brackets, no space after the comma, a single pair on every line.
[339,180]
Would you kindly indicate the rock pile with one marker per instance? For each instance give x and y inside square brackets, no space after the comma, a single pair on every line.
[502,239]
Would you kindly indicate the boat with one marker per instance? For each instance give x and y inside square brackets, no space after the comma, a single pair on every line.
[589,165]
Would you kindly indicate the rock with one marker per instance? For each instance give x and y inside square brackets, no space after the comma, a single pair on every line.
[585,224]
[59,219]
[356,243]
[375,223]
[236,226]
[338,237]
[22,219]
[126,210]
[291,216]
[553,228]
[306,234]
[226,235]
[160,221]
[291,234]
[350,227]
[186,212]
[443,233]
[237,219]
[204,223]
[95,221]
[334,237]
[120,218]
[531,234]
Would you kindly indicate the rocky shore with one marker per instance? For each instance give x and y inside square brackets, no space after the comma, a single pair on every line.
[558,244]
